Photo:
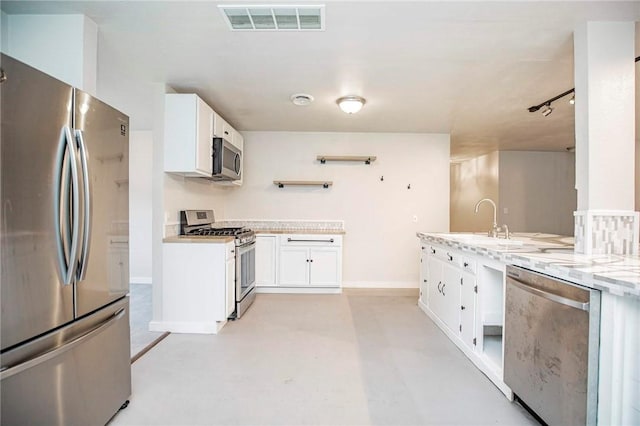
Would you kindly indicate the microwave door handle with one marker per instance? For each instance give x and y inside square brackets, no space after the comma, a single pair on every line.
[236,163]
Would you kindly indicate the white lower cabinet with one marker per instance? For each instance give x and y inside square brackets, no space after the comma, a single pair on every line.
[468,309]
[464,298]
[294,266]
[444,292]
[297,262]
[266,260]
[324,266]
[198,287]
[230,277]
[118,263]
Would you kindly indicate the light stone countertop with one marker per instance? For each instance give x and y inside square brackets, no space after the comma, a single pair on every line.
[204,239]
[552,255]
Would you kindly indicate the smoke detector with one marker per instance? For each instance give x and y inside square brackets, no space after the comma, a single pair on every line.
[301,99]
[274,17]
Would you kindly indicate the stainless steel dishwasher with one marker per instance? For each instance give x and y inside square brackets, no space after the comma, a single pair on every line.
[551,334]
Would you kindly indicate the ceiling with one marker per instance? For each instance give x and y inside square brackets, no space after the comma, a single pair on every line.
[466,68]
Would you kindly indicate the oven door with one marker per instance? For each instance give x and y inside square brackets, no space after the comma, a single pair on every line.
[245,276]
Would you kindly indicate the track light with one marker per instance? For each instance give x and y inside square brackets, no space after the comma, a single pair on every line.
[548,110]
[547,103]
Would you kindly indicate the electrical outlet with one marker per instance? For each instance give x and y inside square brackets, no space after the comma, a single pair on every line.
[415,217]
[505,210]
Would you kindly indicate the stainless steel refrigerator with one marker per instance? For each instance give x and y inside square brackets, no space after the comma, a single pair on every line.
[65,357]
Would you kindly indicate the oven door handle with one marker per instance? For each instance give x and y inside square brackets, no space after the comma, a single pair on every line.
[240,250]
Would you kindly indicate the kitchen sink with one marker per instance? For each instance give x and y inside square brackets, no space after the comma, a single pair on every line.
[480,239]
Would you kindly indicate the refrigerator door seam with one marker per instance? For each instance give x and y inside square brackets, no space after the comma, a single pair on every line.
[39,359]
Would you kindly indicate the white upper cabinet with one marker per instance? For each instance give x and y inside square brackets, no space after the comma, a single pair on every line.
[188,135]
[222,129]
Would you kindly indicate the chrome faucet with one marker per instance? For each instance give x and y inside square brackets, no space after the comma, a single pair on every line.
[494,227]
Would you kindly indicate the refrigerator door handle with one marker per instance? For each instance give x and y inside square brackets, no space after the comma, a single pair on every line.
[67,266]
[46,356]
[86,233]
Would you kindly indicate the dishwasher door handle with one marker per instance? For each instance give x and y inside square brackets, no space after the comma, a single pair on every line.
[549,296]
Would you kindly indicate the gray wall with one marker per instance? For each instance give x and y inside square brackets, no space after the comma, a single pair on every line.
[534,191]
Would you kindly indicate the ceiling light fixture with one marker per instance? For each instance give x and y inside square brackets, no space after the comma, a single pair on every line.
[547,109]
[351,104]
[547,103]
[301,99]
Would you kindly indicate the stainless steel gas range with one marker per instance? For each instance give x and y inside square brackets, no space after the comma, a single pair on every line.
[201,223]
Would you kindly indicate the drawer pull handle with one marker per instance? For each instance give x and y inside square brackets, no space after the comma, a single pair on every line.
[433,251]
[443,286]
[450,257]
[291,240]
[439,284]
[466,264]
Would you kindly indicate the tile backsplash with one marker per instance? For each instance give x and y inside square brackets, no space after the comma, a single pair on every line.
[605,232]
[286,225]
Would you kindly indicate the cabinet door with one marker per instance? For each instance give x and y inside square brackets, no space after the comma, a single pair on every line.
[325,267]
[467,309]
[294,266]
[204,144]
[118,266]
[265,261]
[231,287]
[434,283]
[450,291]
[444,292]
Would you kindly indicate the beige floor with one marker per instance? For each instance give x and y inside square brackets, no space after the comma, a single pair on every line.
[323,360]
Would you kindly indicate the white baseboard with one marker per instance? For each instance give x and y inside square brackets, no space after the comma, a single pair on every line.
[140,280]
[187,327]
[299,290]
[380,284]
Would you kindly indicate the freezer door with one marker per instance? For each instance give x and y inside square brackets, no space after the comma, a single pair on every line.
[78,375]
[35,110]
[103,144]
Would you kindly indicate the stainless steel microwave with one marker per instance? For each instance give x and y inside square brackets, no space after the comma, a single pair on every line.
[227,160]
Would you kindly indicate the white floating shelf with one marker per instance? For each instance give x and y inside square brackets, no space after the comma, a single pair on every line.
[283,183]
[367,159]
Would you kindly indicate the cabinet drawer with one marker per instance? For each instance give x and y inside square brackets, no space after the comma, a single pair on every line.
[311,240]
[445,254]
[468,264]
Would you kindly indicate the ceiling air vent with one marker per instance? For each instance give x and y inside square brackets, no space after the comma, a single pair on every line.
[274,17]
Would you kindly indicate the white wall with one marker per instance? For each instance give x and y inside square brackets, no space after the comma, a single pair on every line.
[538,189]
[471,181]
[637,174]
[140,160]
[64,46]
[190,194]
[380,245]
